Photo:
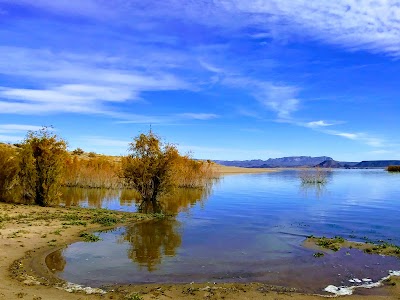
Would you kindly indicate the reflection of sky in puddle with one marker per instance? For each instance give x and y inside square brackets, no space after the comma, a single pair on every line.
[251,229]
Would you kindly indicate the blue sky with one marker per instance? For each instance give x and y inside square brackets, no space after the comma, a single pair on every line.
[224,79]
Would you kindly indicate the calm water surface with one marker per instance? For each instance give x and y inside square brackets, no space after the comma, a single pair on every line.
[248,228]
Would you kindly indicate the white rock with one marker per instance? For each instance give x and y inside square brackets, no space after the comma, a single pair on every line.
[339,291]
[394,273]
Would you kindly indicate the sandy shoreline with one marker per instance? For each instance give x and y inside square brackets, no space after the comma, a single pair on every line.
[31,232]
[220,169]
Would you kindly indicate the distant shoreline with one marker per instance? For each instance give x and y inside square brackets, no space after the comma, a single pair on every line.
[220,169]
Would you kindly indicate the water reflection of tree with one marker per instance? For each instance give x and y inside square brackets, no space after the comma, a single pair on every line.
[55,261]
[94,197]
[181,199]
[317,189]
[150,241]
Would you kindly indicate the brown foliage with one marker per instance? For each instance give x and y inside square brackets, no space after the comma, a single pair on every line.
[42,165]
[154,169]
[8,172]
[92,172]
[393,168]
[149,168]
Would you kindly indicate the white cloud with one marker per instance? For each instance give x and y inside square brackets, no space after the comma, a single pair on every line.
[210,67]
[10,138]
[12,132]
[198,116]
[320,123]
[13,128]
[360,137]
[280,98]
[75,83]
[371,25]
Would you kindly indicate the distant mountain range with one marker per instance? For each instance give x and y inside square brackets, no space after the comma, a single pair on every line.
[306,161]
[292,161]
[361,165]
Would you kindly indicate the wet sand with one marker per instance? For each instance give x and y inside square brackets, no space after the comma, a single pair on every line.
[29,233]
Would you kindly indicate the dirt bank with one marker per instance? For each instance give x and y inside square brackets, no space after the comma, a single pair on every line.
[28,233]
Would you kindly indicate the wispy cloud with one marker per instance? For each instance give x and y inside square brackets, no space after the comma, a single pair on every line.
[279,98]
[198,116]
[10,138]
[13,128]
[364,138]
[15,132]
[370,25]
[75,83]
[320,123]
[355,25]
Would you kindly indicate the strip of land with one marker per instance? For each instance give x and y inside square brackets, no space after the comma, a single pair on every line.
[28,233]
[219,169]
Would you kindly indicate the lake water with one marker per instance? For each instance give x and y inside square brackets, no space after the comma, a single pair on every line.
[249,227]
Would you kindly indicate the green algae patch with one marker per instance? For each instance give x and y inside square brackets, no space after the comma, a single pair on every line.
[336,243]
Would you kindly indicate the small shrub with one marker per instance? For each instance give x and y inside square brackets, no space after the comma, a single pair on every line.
[134,297]
[316,176]
[90,237]
[78,151]
[393,168]
[57,232]
[318,254]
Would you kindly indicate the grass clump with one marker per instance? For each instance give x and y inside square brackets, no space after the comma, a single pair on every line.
[331,244]
[134,297]
[318,254]
[105,220]
[336,243]
[89,237]
[316,176]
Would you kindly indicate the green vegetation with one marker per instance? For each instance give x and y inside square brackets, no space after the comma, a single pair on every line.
[73,216]
[134,297]
[393,168]
[331,244]
[318,254]
[90,237]
[336,243]
[105,220]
